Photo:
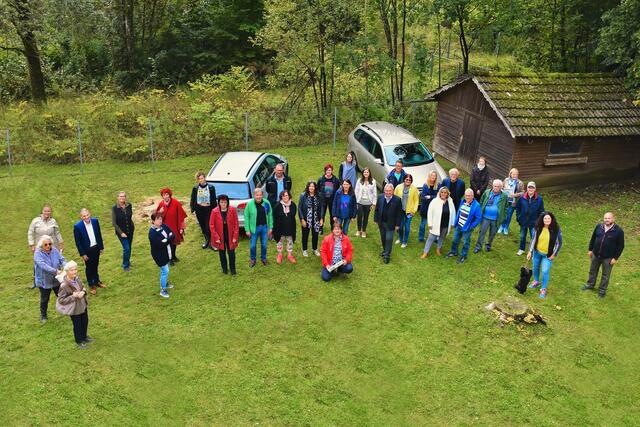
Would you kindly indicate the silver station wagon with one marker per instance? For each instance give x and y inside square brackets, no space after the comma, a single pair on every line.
[238,173]
[378,145]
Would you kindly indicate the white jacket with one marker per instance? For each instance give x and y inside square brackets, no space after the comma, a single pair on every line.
[434,215]
[372,189]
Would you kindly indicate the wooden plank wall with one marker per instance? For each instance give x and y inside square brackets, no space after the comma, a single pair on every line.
[605,154]
[495,141]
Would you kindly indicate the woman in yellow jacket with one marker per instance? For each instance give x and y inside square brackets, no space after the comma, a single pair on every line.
[408,193]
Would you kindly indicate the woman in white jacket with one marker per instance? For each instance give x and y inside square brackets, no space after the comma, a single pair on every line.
[440,219]
[366,196]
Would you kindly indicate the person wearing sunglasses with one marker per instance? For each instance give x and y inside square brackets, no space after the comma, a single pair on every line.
[48,263]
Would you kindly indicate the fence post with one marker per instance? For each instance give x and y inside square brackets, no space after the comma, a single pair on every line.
[246,131]
[79,132]
[335,120]
[9,150]
[151,151]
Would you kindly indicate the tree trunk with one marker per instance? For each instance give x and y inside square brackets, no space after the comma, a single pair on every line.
[384,17]
[404,50]
[464,45]
[24,25]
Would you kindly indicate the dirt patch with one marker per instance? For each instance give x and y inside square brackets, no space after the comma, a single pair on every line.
[142,211]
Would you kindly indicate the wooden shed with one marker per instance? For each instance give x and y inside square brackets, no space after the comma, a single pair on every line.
[555,128]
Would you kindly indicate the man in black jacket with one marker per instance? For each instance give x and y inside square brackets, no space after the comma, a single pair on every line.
[388,215]
[276,183]
[605,248]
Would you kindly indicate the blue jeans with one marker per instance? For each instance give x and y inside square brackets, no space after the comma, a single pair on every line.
[345,224]
[405,228]
[523,236]
[164,277]
[465,236]
[346,268]
[541,262]
[421,230]
[126,250]
[507,219]
[262,232]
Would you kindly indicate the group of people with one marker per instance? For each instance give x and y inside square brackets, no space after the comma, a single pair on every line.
[445,208]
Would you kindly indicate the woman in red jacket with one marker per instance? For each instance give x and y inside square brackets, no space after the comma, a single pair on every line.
[336,253]
[225,228]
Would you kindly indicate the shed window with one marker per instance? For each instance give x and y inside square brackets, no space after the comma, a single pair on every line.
[565,148]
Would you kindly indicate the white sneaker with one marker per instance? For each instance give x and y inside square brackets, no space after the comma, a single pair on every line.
[305,253]
[164,294]
[357,233]
[398,242]
[316,252]
[520,252]
[363,235]
[404,245]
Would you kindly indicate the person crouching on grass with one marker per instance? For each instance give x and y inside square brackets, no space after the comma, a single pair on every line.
[72,302]
[161,238]
[336,249]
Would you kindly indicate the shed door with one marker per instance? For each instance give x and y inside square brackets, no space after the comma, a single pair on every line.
[469,141]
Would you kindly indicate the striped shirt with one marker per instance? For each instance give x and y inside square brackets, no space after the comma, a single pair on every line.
[465,210]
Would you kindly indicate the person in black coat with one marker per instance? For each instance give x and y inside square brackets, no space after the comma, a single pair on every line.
[160,238]
[328,184]
[203,200]
[284,225]
[455,186]
[479,178]
[277,183]
[121,219]
[388,215]
[605,247]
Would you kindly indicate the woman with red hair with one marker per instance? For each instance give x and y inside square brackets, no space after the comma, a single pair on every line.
[174,217]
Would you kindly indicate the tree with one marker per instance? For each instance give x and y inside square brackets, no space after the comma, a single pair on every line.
[393,14]
[21,14]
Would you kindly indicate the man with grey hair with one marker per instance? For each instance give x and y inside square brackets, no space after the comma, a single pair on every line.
[388,215]
[605,247]
[494,211]
[258,223]
[88,239]
[455,186]
[467,219]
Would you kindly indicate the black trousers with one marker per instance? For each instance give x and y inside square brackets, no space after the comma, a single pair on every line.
[305,238]
[173,251]
[45,294]
[223,259]
[80,325]
[91,266]
[203,213]
[328,206]
[386,239]
[363,217]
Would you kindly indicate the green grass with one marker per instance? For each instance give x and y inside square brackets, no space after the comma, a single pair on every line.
[407,343]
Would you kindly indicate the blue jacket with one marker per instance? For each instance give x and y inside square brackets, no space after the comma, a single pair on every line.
[337,210]
[426,197]
[47,266]
[528,209]
[159,244]
[457,190]
[475,217]
[391,178]
[82,238]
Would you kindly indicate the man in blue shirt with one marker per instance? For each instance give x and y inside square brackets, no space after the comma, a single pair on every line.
[397,175]
[494,210]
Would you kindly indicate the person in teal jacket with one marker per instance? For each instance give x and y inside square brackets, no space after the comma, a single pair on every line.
[494,211]
[468,217]
[258,223]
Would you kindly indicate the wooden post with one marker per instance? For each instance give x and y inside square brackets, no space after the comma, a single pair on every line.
[81,155]
[9,151]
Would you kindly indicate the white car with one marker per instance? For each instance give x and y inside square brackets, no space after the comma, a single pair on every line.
[238,173]
[377,145]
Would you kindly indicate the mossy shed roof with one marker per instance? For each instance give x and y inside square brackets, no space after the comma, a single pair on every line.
[552,105]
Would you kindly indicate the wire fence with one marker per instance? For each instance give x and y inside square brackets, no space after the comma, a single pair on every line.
[150,139]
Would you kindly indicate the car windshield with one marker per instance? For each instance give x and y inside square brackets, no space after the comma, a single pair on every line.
[412,154]
[234,190]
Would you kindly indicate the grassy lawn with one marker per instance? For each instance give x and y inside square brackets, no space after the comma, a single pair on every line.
[407,343]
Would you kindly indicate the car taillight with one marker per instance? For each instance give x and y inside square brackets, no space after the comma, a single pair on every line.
[242,205]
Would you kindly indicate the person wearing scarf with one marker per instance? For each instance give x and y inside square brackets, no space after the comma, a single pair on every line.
[479,178]
[284,226]
[310,209]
